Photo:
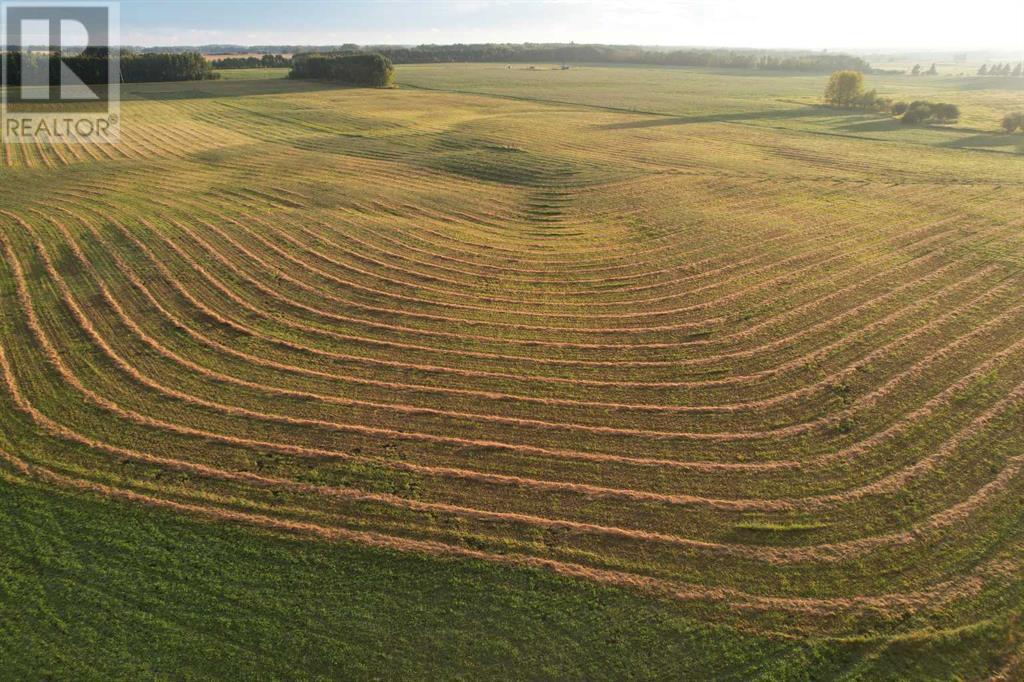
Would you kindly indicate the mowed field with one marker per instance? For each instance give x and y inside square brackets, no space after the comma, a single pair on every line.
[498,377]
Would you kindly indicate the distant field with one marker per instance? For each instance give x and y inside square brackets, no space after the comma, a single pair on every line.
[749,98]
[428,382]
[251,74]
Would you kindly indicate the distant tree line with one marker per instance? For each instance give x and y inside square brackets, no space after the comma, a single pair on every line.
[369,70]
[92,66]
[778,60]
[559,53]
[267,61]
[185,66]
[1006,69]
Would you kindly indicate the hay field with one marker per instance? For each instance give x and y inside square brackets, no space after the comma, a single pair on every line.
[754,377]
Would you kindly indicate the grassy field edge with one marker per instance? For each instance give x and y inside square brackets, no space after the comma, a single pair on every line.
[95,588]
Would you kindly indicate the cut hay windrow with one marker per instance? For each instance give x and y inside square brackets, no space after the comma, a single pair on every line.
[703,360]
[802,503]
[523,422]
[857,448]
[463,372]
[889,603]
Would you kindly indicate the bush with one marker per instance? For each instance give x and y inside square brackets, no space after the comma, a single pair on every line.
[945,113]
[1013,121]
[370,70]
[920,111]
[899,108]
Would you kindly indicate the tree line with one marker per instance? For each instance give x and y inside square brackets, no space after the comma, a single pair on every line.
[266,61]
[92,66]
[369,70]
[561,53]
[1006,69]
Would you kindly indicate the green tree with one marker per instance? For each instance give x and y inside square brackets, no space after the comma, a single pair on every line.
[1013,120]
[844,88]
[899,108]
[916,71]
[919,111]
[932,71]
[945,113]
[867,100]
[983,71]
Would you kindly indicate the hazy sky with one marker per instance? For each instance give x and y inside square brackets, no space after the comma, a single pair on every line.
[830,24]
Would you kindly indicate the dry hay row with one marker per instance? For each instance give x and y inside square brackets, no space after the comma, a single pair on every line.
[749,330]
[178,325]
[480,253]
[727,262]
[87,326]
[636,258]
[153,300]
[623,362]
[758,206]
[209,313]
[821,552]
[97,189]
[890,604]
[323,229]
[827,551]
[306,251]
[419,212]
[975,426]
[281,275]
[348,284]
[417,276]
[460,371]
[348,233]
[128,322]
[483,252]
[125,319]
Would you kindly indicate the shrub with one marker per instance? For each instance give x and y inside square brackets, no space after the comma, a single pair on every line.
[371,70]
[920,111]
[1013,121]
[867,100]
[899,108]
[945,113]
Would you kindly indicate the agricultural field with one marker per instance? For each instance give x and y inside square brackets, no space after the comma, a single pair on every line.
[598,373]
